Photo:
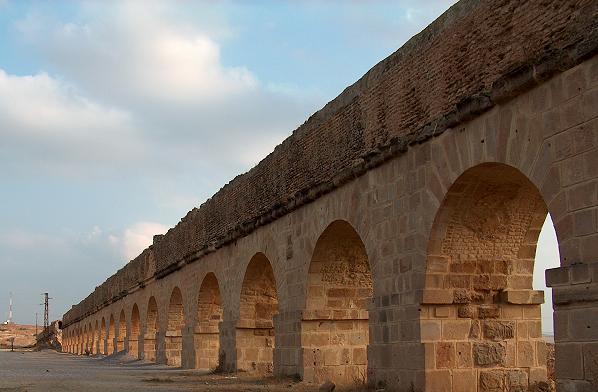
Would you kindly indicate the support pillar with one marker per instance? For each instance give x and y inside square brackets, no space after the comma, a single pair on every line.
[288,359]
[188,349]
[575,302]
[228,346]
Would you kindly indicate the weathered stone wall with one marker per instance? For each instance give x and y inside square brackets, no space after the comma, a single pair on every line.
[475,55]
[448,229]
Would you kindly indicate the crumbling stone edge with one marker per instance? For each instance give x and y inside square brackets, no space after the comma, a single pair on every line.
[520,79]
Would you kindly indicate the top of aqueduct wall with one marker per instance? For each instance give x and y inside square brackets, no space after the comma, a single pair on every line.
[478,54]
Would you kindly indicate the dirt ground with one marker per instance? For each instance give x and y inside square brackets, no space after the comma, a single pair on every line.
[24,335]
[49,371]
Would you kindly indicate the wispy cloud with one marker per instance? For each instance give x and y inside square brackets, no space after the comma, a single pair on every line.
[145,89]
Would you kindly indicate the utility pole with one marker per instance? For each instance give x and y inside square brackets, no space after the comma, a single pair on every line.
[46,312]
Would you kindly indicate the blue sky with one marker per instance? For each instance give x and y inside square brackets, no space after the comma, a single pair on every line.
[116,118]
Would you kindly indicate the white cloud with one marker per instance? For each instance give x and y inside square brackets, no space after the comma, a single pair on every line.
[136,53]
[135,88]
[138,237]
[47,122]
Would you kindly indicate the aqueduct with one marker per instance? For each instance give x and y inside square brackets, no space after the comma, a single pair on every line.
[391,238]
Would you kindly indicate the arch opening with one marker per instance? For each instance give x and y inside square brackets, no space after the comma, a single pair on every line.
[255,332]
[209,316]
[479,311]
[134,336]
[110,336]
[151,331]
[94,340]
[102,337]
[89,344]
[174,332]
[335,324]
[84,340]
[122,331]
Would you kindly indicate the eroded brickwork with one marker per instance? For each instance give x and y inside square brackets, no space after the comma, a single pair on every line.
[255,338]
[482,318]
[209,316]
[334,329]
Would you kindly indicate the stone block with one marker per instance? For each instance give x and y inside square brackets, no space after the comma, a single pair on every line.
[464,358]
[489,354]
[569,361]
[525,354]
[532,312]
[466,311]
[541,353]
[442,311]
[537,375]
[465,380]
[590,361]
[517,380]
[499,330]
[438,381]
[511,312]
[583,324]
[584,220]
[488,312]
[523,297]
[492,381]
[580,273]
[534,329]
[445,355]
[433,297]
[455,329]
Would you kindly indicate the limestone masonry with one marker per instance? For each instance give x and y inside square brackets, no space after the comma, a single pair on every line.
[390,240]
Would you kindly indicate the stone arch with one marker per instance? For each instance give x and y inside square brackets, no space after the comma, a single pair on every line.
[209,316]
[255,334]
[480,317]
[110,337]
[151,330]
[89,338]
[95,339]
[334,327]
[174,330]
[102,337]
[84,340]
[80,341]
[135,330]
[122,331]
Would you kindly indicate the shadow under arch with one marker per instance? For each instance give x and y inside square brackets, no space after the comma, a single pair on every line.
[479,311]
[255,331]
[335,323]
[95,338]
[111,335]
[133,348]
[89,339]
[151,330]
[84,341]
[102,337]
[209,317]
[122,331]
[174,332]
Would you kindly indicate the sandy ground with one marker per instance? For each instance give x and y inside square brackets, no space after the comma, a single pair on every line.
[49,371]
[24,335]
